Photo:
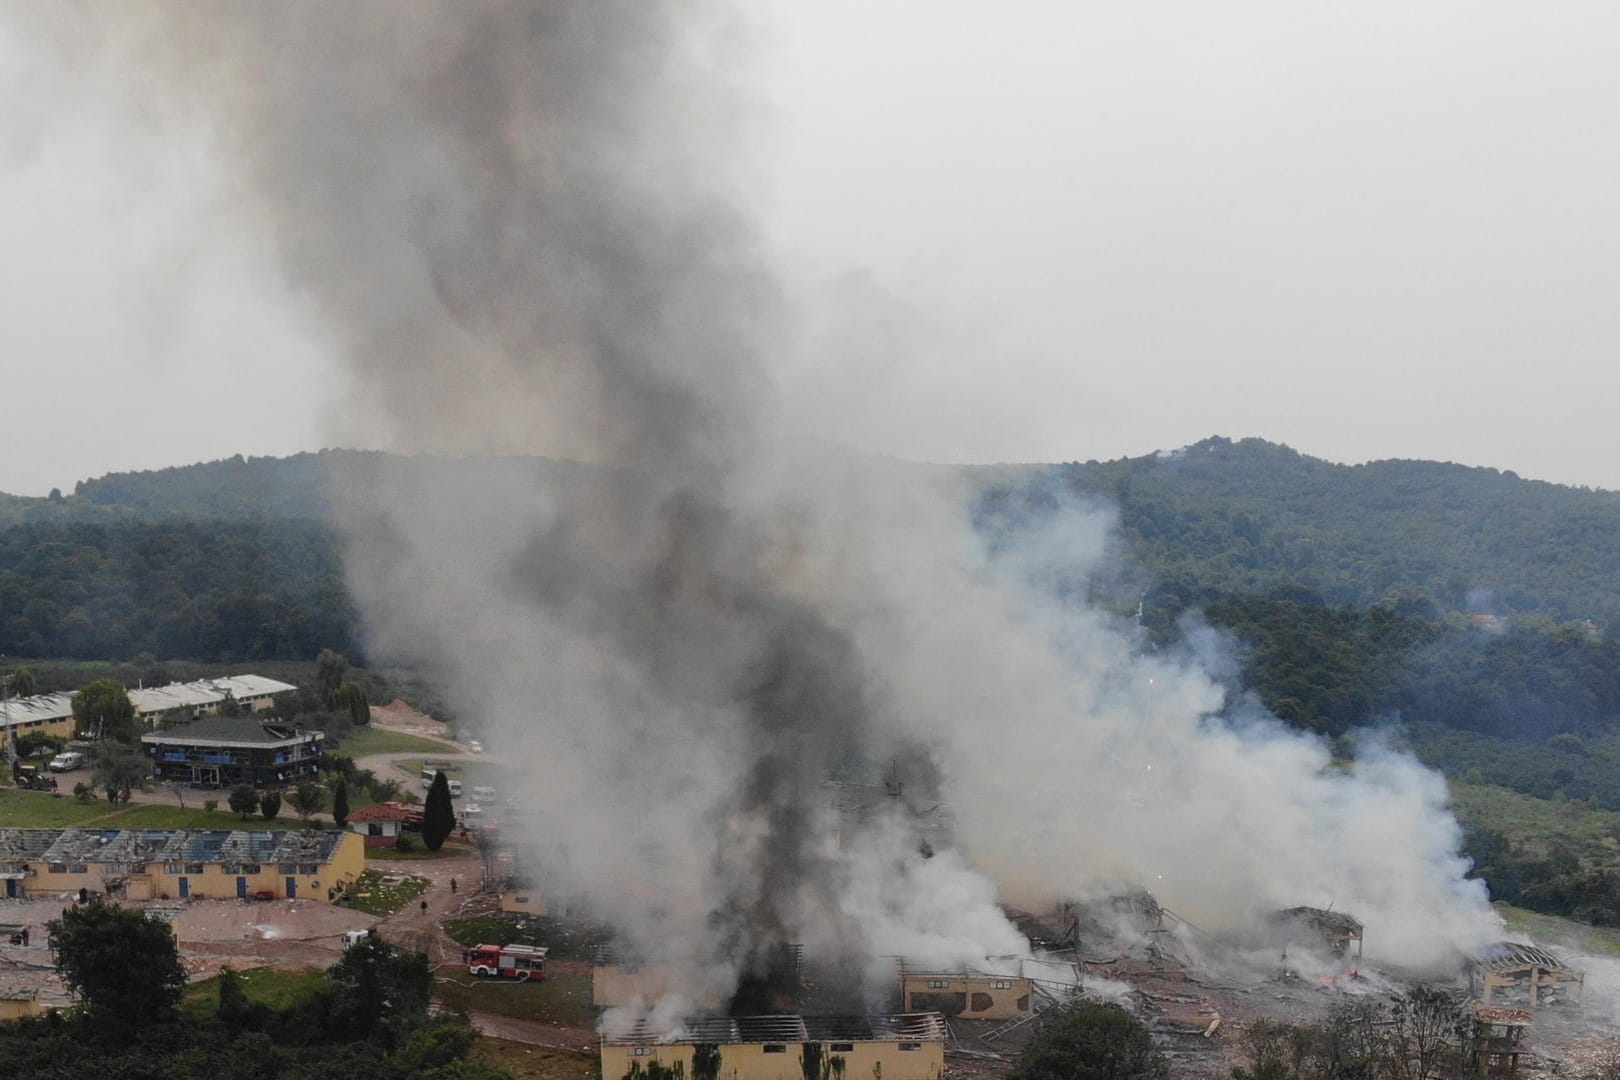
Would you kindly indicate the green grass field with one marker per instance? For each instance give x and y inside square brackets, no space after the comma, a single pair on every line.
[1564,933]
[376,740]
[1593,835]
[43,810]
[158,816]
[560,999]
[383,853]
[263,986]
[527,1062]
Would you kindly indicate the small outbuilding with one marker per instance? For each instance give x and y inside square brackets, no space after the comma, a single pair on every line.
[382,824]
[1515,973]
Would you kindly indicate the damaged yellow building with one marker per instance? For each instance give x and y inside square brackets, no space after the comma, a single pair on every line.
[909,1046]
[150,864]
[968,995]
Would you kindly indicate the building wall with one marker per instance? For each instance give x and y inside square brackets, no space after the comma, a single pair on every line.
[531,902]
[387,834]
[211,882]
[982,997]
[749,1061]
[18,1008]
[60,728]
[614,984]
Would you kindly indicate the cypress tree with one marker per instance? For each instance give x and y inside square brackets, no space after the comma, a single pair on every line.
[438,816]
[340,803]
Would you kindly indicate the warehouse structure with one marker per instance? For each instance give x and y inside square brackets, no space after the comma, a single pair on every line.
[909,1046]
[158,706]
[146,864]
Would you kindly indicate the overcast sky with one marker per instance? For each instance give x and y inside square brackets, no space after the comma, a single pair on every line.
[1070,230]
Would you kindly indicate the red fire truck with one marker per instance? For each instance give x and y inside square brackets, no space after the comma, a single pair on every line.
[520,962]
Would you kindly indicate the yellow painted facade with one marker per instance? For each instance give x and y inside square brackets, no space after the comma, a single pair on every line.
[618,984]
[531,902]
[878,1060]
[202,880]
[18,1008]
[972,997]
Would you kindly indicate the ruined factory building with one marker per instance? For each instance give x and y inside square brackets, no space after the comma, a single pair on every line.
[147,864]
[970,995]
[1339,933]
[1516,974]
[910,1046]
[223,751]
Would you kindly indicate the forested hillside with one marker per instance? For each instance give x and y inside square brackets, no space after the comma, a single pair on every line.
[204,590]
[1223,518]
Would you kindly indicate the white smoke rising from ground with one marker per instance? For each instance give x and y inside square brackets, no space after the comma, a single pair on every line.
[514,221]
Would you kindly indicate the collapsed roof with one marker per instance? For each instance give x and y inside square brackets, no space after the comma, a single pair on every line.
[918,1027]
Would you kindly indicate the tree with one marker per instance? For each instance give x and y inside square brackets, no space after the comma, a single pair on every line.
[378,989]
[124,967]
[243,800]
[230,706]
[270,805]
[103,710]
[306,799]
[353,698]
[37,744]
[438,815]
[118,770]
[23,683]
[1092,1041]
[330,668]
[340,803]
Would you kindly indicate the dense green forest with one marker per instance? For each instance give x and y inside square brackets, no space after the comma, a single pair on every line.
[1223,518]
[208,590]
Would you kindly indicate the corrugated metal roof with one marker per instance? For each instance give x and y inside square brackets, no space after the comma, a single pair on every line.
[26,710]
[155,699]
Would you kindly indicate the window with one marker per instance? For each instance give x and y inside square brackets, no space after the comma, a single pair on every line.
[194,867]
[911,1046]
[1001,984]
[374,829]
[841,1048]
[77,868]
[286,868]
[939,984]
[639,1051]
[308,868]
[250,868]
[776,1048]
[56,868]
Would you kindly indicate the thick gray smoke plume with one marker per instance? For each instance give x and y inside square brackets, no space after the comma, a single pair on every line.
[514,220]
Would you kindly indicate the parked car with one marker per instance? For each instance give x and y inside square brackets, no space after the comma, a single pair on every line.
[67,761]
[475,746]
[483,793]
